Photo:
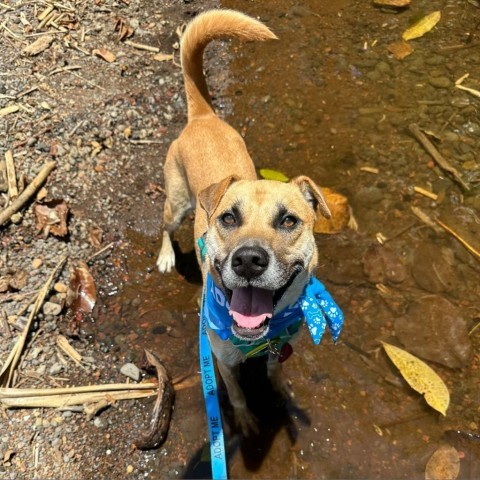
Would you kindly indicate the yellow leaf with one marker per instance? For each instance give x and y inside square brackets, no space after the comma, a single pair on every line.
[420,377]
[268,174]
[423,26]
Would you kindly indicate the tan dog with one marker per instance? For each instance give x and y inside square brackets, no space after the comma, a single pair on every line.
[258,234]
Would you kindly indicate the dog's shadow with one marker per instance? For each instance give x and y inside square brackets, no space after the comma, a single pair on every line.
[272,411]
[187,265]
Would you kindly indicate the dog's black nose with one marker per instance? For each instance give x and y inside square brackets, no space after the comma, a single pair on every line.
[250,262]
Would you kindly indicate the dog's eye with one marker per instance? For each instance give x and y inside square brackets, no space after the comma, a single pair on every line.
[289,221]
[228,219]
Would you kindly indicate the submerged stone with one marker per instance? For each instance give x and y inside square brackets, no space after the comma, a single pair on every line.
[435,330]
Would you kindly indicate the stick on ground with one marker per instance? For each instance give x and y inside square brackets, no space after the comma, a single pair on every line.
[430,148]
[11,176]
[27,193]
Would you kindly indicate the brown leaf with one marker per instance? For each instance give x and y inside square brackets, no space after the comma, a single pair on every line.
[39,45]
[400,50]
[107,55]
[51,217]
[82,292]
[95,235]
[124,29]
[19,280]
[340,210]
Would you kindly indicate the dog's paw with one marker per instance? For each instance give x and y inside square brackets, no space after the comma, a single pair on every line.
[279,382]
[165,263]
[166,258]
[283,387]
[246,421]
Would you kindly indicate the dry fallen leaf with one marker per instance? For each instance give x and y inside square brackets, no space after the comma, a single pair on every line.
[8,110]
[423,26]
[400,50]
[163,57]
[107,55]
[39,45]
[51,217]
[95,235]
[82,292]
[340,210]
[124,29]
[420,377]
[444,464]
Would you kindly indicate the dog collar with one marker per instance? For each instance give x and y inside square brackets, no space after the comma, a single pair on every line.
[315,304]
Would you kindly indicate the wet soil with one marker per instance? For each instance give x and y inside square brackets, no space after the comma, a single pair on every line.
[326,100]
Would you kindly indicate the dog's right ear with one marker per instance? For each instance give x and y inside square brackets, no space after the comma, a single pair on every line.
[210,197]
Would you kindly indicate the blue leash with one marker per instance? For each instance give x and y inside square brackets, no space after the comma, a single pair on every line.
[210,393]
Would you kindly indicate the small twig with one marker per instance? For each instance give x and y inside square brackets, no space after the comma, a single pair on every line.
[26,92]
[452,232]
[75,128]
[16,297]
[64,69]
[11,175]
[145,142]
[469,90]
[368,169]
[4,326]
[11,363]
[141,46]
[27,193]
[458,84]
[426,193]
[430,148]
[474,328]
[104,249]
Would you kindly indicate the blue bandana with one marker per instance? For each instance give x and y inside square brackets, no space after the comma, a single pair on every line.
[315,305]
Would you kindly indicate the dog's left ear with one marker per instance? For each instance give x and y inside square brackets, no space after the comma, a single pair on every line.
[312,194]
[210,197]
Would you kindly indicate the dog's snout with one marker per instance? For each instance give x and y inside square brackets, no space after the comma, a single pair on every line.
[250,262]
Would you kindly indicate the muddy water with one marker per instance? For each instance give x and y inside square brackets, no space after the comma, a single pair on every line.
[328,100]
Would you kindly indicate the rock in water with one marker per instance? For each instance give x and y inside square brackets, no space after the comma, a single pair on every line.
[435,330]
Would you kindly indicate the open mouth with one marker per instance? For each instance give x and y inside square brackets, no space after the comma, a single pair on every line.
[252,309]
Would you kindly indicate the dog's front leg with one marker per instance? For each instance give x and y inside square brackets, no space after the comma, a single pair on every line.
[244,418]
[277,378]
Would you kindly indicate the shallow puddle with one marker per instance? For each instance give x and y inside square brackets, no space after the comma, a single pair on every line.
[329,101]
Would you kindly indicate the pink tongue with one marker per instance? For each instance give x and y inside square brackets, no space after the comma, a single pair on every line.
[250,306]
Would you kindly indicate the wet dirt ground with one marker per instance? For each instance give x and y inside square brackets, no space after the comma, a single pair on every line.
[327,100]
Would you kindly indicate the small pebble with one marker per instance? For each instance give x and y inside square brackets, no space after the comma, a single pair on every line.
[37,263]
[16,218]
[440,82]
[99,423]
[50,308]
[60,287]
[55,369]
[130,370]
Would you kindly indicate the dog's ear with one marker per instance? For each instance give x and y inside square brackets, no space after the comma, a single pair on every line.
[210,197]
[312,194]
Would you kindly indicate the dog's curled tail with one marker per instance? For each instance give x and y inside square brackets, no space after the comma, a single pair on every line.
[199,33]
